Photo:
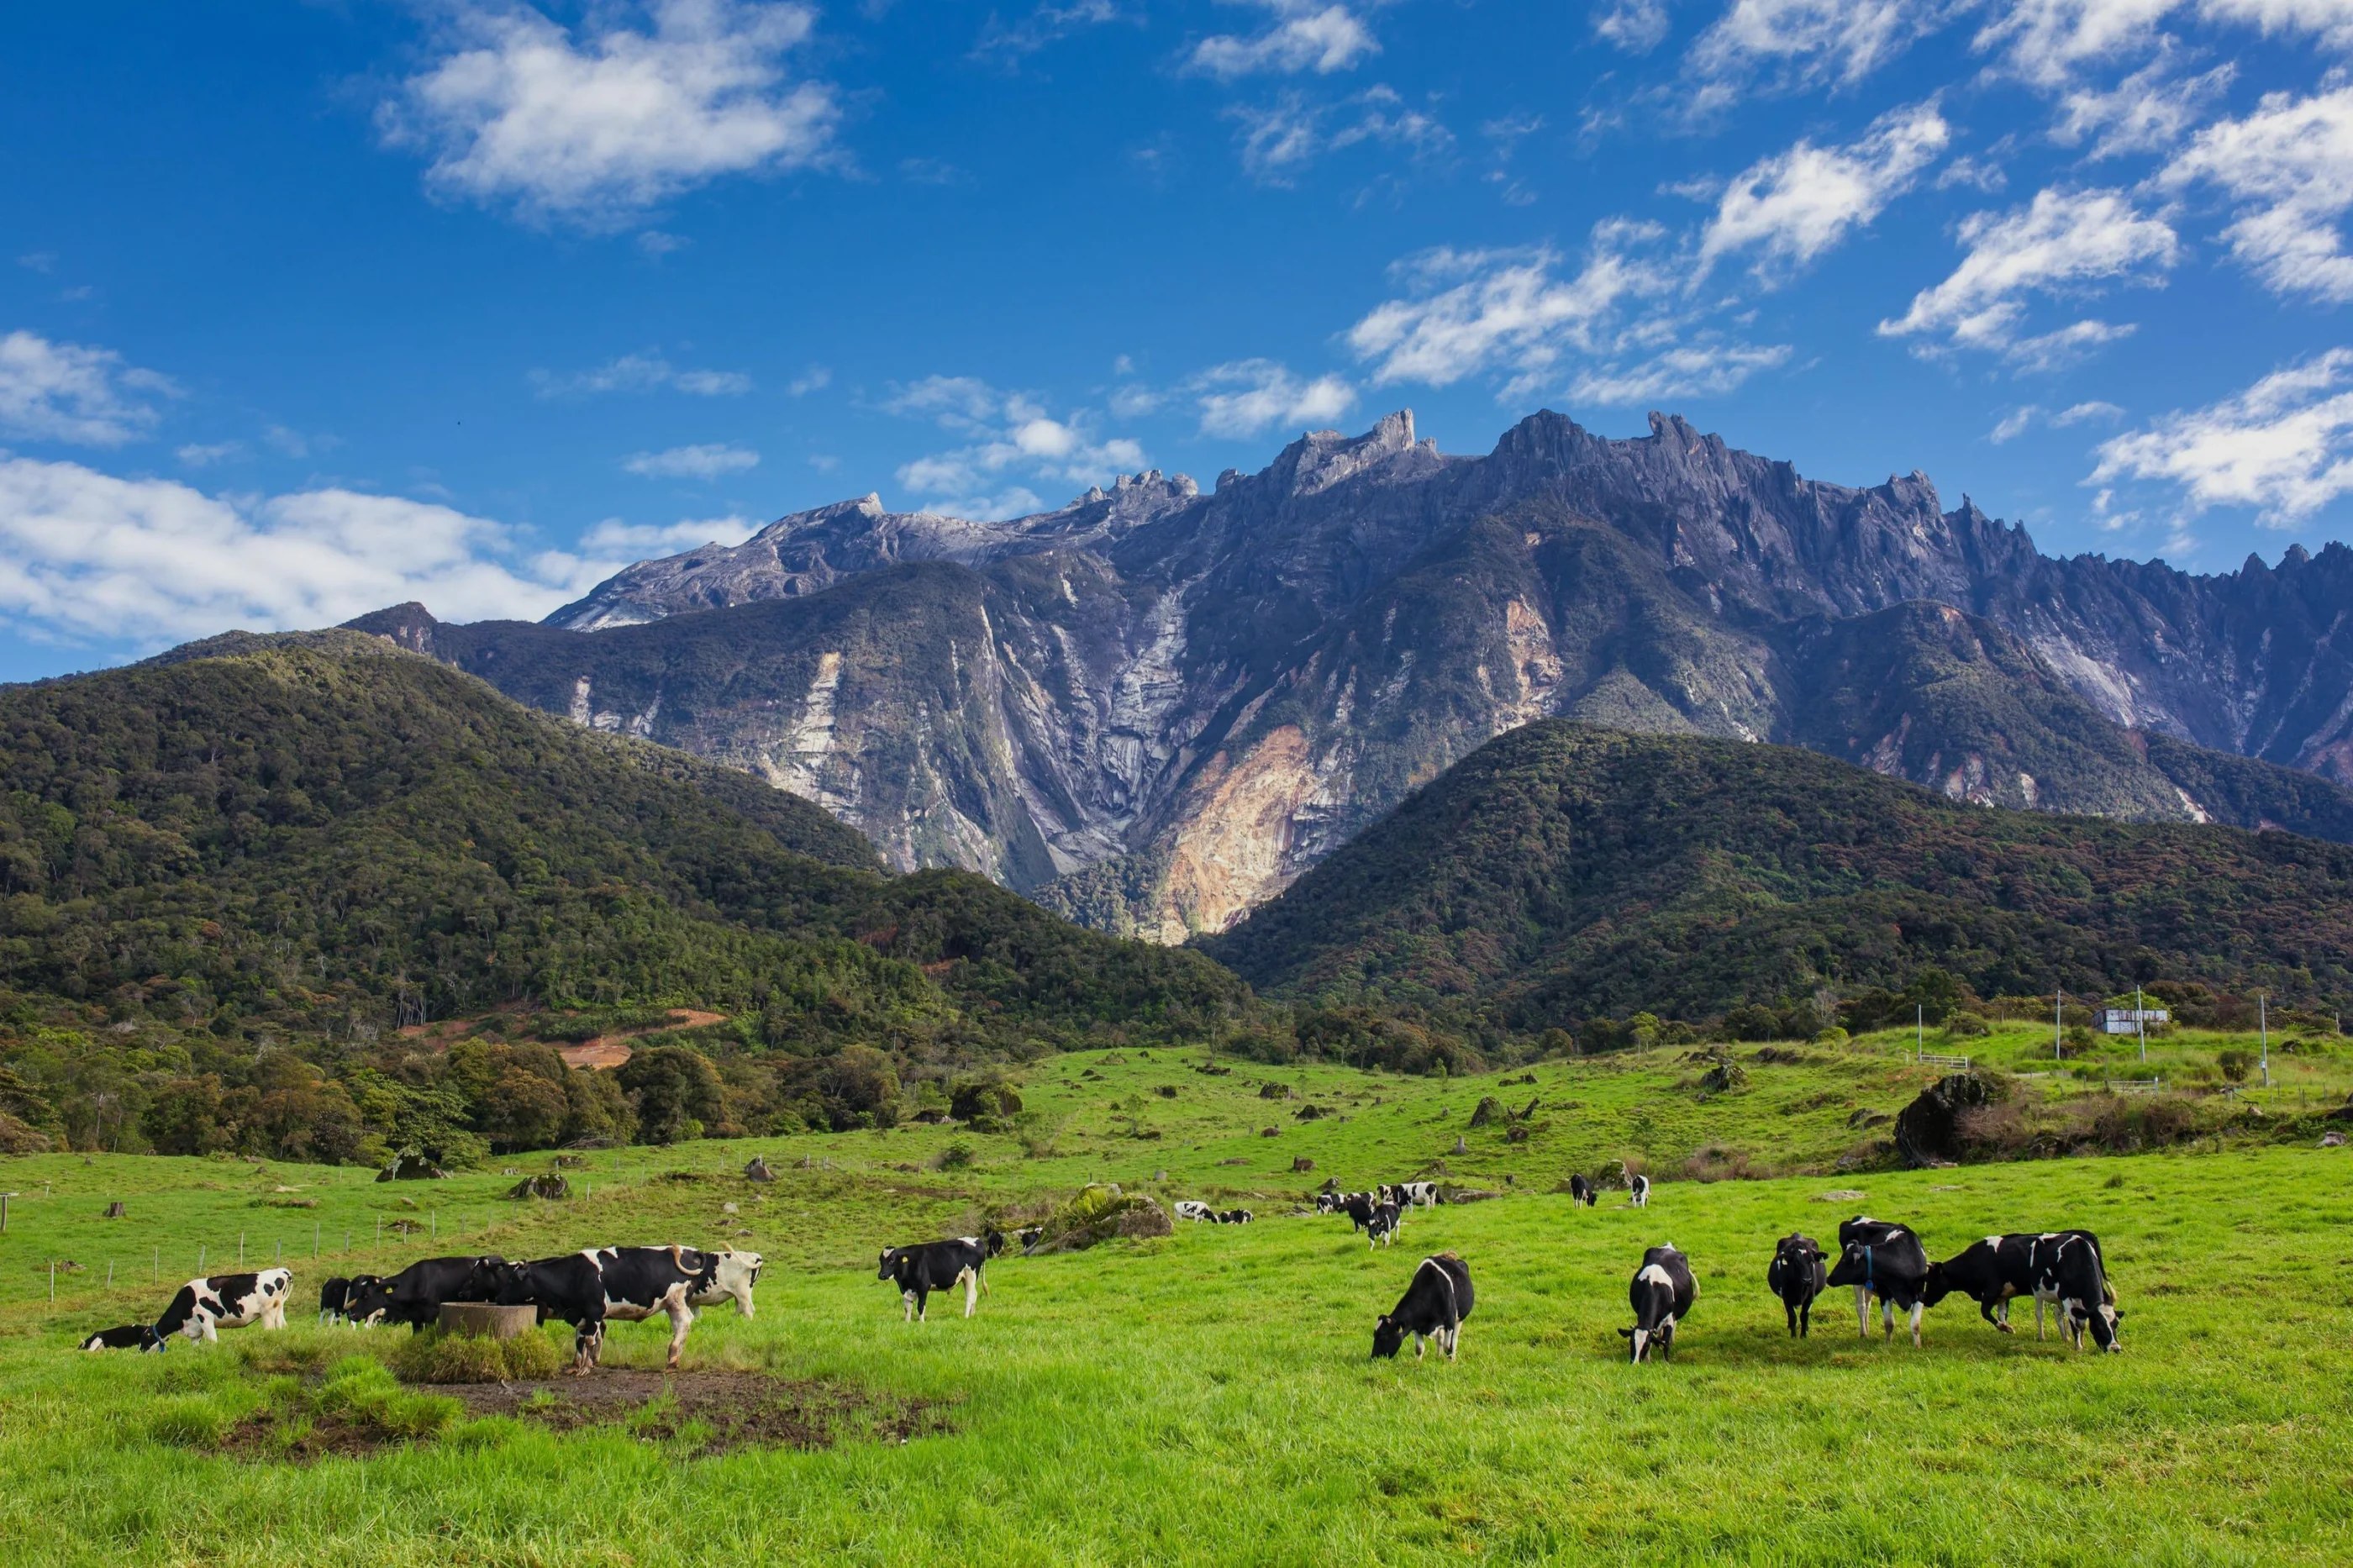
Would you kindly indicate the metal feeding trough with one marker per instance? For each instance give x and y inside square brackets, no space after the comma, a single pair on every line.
[480,1321]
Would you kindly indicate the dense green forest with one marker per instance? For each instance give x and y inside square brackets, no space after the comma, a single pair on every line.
[1564,873]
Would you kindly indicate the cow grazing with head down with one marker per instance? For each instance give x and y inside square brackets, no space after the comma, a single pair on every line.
[1381,1227]
[733,1275]
[2063,1269]
[414,1295]
[1886,1261]
[1359,1207]
[1436,1301]
[1662,1296]
[930,1265]
[1194,1209]
[1582,1192]
[332,1295]
[228,1301]
[1797,1275]
[130,1337]
[1232,1216]
[588,1288]
[1407,1194]
[1637,1191]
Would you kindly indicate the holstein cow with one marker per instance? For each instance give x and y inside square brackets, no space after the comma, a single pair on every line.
[1359,1207]
[931,1266]
[1232,1216]
[1662,1296]
[1381,1227]
[2062,1267]
[1582,1192]
[1193,1208]
[1436,1301]
[131,1336]
[228,1301]
[332,1297]
[1409,1195]
[1886,1261]
[414,1295]
[589,1288]
[1796,1275]
[1637,1191]
[732,1276]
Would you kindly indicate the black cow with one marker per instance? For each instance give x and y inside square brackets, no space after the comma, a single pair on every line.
[1381,1227]
[414,1295]
[588,1288]
[332,1295]
[1232,1216]
[131,1336]
[1436,1301]
[1796,1275]
[930,1265]
[1359,1207]
[1583,1192]
[1662,1296]
[228,1301]
[2064,1268]
[1886,1261]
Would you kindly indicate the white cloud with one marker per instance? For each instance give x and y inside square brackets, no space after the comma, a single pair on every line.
[2151,109]
[637,542]
[817,378]
[2047,42]
[1244,397]
[65,392]
[2014,424]
[640,373]
[1791,208]
[1691,370]
[594,125]
[196,455]
[2080,413]
[1005,433]
[86,554]
[1798,45]
[1281,137]
[1637,26]
[710,460]
[2332,20]
[2063,241]
[1046,24]
[1305,37]
[2283,446]
[2289,166]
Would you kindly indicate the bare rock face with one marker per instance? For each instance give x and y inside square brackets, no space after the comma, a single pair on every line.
[1153,708]
[1928,1131]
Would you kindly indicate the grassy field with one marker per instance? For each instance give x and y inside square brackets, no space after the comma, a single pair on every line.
[1207,1396]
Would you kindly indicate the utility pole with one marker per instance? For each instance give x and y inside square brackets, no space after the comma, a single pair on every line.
[2140,1022]
[2058,1039]
[1919,1030]
[2263,1022]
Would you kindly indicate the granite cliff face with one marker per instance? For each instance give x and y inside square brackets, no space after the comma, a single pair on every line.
[1153,708]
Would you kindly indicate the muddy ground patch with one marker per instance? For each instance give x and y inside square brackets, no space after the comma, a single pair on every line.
[721,1411]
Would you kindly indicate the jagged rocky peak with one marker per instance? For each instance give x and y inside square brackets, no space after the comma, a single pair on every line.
[1322,458]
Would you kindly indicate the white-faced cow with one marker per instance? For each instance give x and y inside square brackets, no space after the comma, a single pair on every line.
[1886,1261]
[733,1275]
[1232,1216]
[930,1265]
[414,1295]
[1662,1296]
[1381,1225]
[1436,1301]
[590,1288]
[1797,1275]
[1637,1191]
[228,1301]
[332,1295]
[2063,1269]
[1328,1203]
[1194,1209]
[1409,1194]
[1359,1207]
[130,1337]
[1582,1193]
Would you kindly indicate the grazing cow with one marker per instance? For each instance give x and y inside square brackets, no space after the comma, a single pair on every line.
[332,1297]
[228,1301]
[732,1276]
[590,1288]
[1582,1192]
[1796,1275]
[1193,1208]
[1328,1203]
[1637,1191]
[1662,1296]
[1436,1301]
[1028,1236]
[131,1336]
[1409,1194]
[1886,1261]
[2063,1269]
[931,1266]
[414,1295]
[1381,1227]
[1359,1207]
[1232,1216]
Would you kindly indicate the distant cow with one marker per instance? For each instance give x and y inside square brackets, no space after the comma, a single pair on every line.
[1328,1203]
[1436,1301]
[1662,1296]
[414,1295]
[1796,1275]
[2063,1269]
[1582,1192]
[732,1276]
[1409,1194]
[130,1337]
[227,1301]
[1381,1228]
[1359,1207]
[590,1288]
[1886,1261]
[1232,1216]
[1193,1208]
[931,1266]
[1637,1191]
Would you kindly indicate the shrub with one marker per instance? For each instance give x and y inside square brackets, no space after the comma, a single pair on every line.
[956,1156]
[1967,1027]
[435,1357]
[2233,1065]
[1833,1036]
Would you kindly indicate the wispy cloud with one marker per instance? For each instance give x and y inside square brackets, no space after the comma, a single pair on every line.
[1282,138]
[1791,46]
[1043,26]
[1303,36]
[1789,209]
[1005,436]
[640,541]
[72,394]
[641,372]
[1637,26]
[1245,397]
[2289,166]
[2283,446]
[1705,369]
[707,461]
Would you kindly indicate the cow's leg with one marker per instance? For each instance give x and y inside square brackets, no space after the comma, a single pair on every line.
[1806,1319]
[682,1318]
[1417,1347]
[970,1279]
[2038,1319]
[907,1298]
[1991,1312]
[1862,1310]
[1917,1309]
[1792,1313]
[1454,1339]
[212,1331]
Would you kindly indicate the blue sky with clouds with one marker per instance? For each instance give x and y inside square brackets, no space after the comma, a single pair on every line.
[310,307]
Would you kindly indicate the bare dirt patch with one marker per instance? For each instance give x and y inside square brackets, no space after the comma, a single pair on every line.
[268,1437]
[727,1410]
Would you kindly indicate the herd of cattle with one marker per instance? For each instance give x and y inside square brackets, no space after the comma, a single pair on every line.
[2064,1270]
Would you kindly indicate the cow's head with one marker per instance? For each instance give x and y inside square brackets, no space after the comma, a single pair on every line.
[1653,1296]
[1853,1267]
[1388,1335]
[485,1276]
[506,1284]
[1936,1286]
[369,1298]
[890,1256]
[2104,1322]
[1794,1261]
[992,1241]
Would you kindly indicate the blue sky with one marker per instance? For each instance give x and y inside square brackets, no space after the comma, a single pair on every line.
[310,307]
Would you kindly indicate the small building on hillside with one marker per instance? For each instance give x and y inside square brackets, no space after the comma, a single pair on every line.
[2130,1020]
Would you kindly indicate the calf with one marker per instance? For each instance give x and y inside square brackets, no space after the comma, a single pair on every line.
[1436,1301]
[1662,1296]
[1232,1216]
[1637,1191]
[1381,1228]
[931,1266]
[227,1301]
[414,1295]
[2060,1267]
[1886,1261]
[1193,1208]
[131,1336]
[588,1288]
[1409,1195]
[733,1275]
[1582,1192]
[1796,1275]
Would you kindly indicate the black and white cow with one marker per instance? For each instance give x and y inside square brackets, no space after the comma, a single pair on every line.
[2063,1269]
[1194,1209]
[1409,1194]
[130,1337]
[1381,1225]
[1359,1207]
[228,1301]
[1797,1275]
[1329,1203]
[733,1275]
[1637,1191]
[1582,1192]
[414,1295]
[590,1288]
[1662,1296]
[332,1295]
[1234,1217]
[1886,1261]
[353,1288]
[930,1265]
[1436,1301]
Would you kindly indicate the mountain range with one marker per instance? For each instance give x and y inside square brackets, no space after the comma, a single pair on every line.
[1152,709]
